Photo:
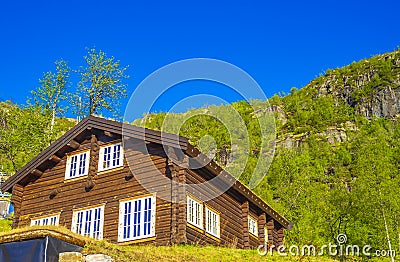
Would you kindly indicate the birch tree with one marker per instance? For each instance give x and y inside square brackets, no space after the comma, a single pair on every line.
[101,84]
[52,92]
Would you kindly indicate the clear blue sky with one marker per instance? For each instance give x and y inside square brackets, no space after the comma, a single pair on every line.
[281,44]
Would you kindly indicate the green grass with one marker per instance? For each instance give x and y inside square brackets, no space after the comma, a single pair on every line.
[5,225]
[145,253]
[192,253]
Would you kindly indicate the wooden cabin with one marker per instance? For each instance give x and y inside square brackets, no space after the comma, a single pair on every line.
[98,181]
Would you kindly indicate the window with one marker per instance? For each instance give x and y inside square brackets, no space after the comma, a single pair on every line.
[212,222]
[77,165]
[110,157]
[137,218]
[89,222]
[194,212]
[253,227]
[45,221]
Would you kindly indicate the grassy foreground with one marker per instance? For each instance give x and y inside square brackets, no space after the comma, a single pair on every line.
[145,253]
[186,253]
[5,225]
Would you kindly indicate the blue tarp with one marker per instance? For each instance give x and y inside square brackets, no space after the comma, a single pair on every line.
[35,250]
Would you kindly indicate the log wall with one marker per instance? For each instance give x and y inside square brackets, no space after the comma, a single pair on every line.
[107,187]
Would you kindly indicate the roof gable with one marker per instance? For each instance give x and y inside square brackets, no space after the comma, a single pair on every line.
[148,135]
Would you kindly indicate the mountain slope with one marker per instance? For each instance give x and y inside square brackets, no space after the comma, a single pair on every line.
[336,167]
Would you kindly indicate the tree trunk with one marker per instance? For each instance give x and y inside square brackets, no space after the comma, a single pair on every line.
[386,228]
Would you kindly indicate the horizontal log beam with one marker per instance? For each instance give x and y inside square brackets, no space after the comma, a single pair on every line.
[109,134]
[37,173]
[55,159]
[73,144]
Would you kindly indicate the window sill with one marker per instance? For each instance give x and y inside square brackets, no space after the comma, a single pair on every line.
[75,179]
[129,242]
[110,170]
[195,227]
[253,236]
[218,239]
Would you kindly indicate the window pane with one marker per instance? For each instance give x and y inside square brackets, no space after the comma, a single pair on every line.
[82,164]
[88,222]
[72,171]
[116,155]
[79,223]
[136,220]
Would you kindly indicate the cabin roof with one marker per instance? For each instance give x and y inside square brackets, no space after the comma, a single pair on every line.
[144,134]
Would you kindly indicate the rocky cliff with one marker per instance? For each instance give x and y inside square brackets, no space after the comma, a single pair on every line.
[370,86]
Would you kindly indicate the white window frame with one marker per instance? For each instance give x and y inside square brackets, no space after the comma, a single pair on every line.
[194,212]
[131,227]
[113,159]
[82,226]
[77,165]
[212,222]
[51,220]
[253,226]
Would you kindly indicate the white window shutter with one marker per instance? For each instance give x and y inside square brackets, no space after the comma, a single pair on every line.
[68,167]
[87,162]
[101,159]
[153,216]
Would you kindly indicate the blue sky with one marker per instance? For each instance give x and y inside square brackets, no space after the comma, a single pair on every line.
[281,44]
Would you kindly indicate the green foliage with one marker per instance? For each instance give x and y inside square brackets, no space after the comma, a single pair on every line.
[51,94]
[307,113]
[324,188]
[5,225]
[364,77]
[101,84]
[23,134]
[53,90]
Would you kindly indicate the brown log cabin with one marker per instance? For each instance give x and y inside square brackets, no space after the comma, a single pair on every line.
[88,182]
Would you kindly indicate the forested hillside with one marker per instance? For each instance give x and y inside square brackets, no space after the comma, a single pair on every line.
[337,157]
[336,164]
[25,132]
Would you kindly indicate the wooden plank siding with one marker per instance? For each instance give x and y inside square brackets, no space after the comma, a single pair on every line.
[110,187]
[40,188]
[231,227]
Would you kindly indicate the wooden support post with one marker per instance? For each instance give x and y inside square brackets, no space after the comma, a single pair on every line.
[16,201]
[280,235]
[178,198]
[270,227]
[261,226]
[245,223]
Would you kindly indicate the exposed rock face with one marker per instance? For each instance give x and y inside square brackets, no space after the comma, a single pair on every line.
[279,112]
[383,103]
[332,135]
[371,86]
[290,140]
[386,103]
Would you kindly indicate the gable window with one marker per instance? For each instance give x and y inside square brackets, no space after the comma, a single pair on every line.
[77,165]
[194,212]
[212,222]
[111,156]
[253,227]
[45,221]
[137,218]
[89,222]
